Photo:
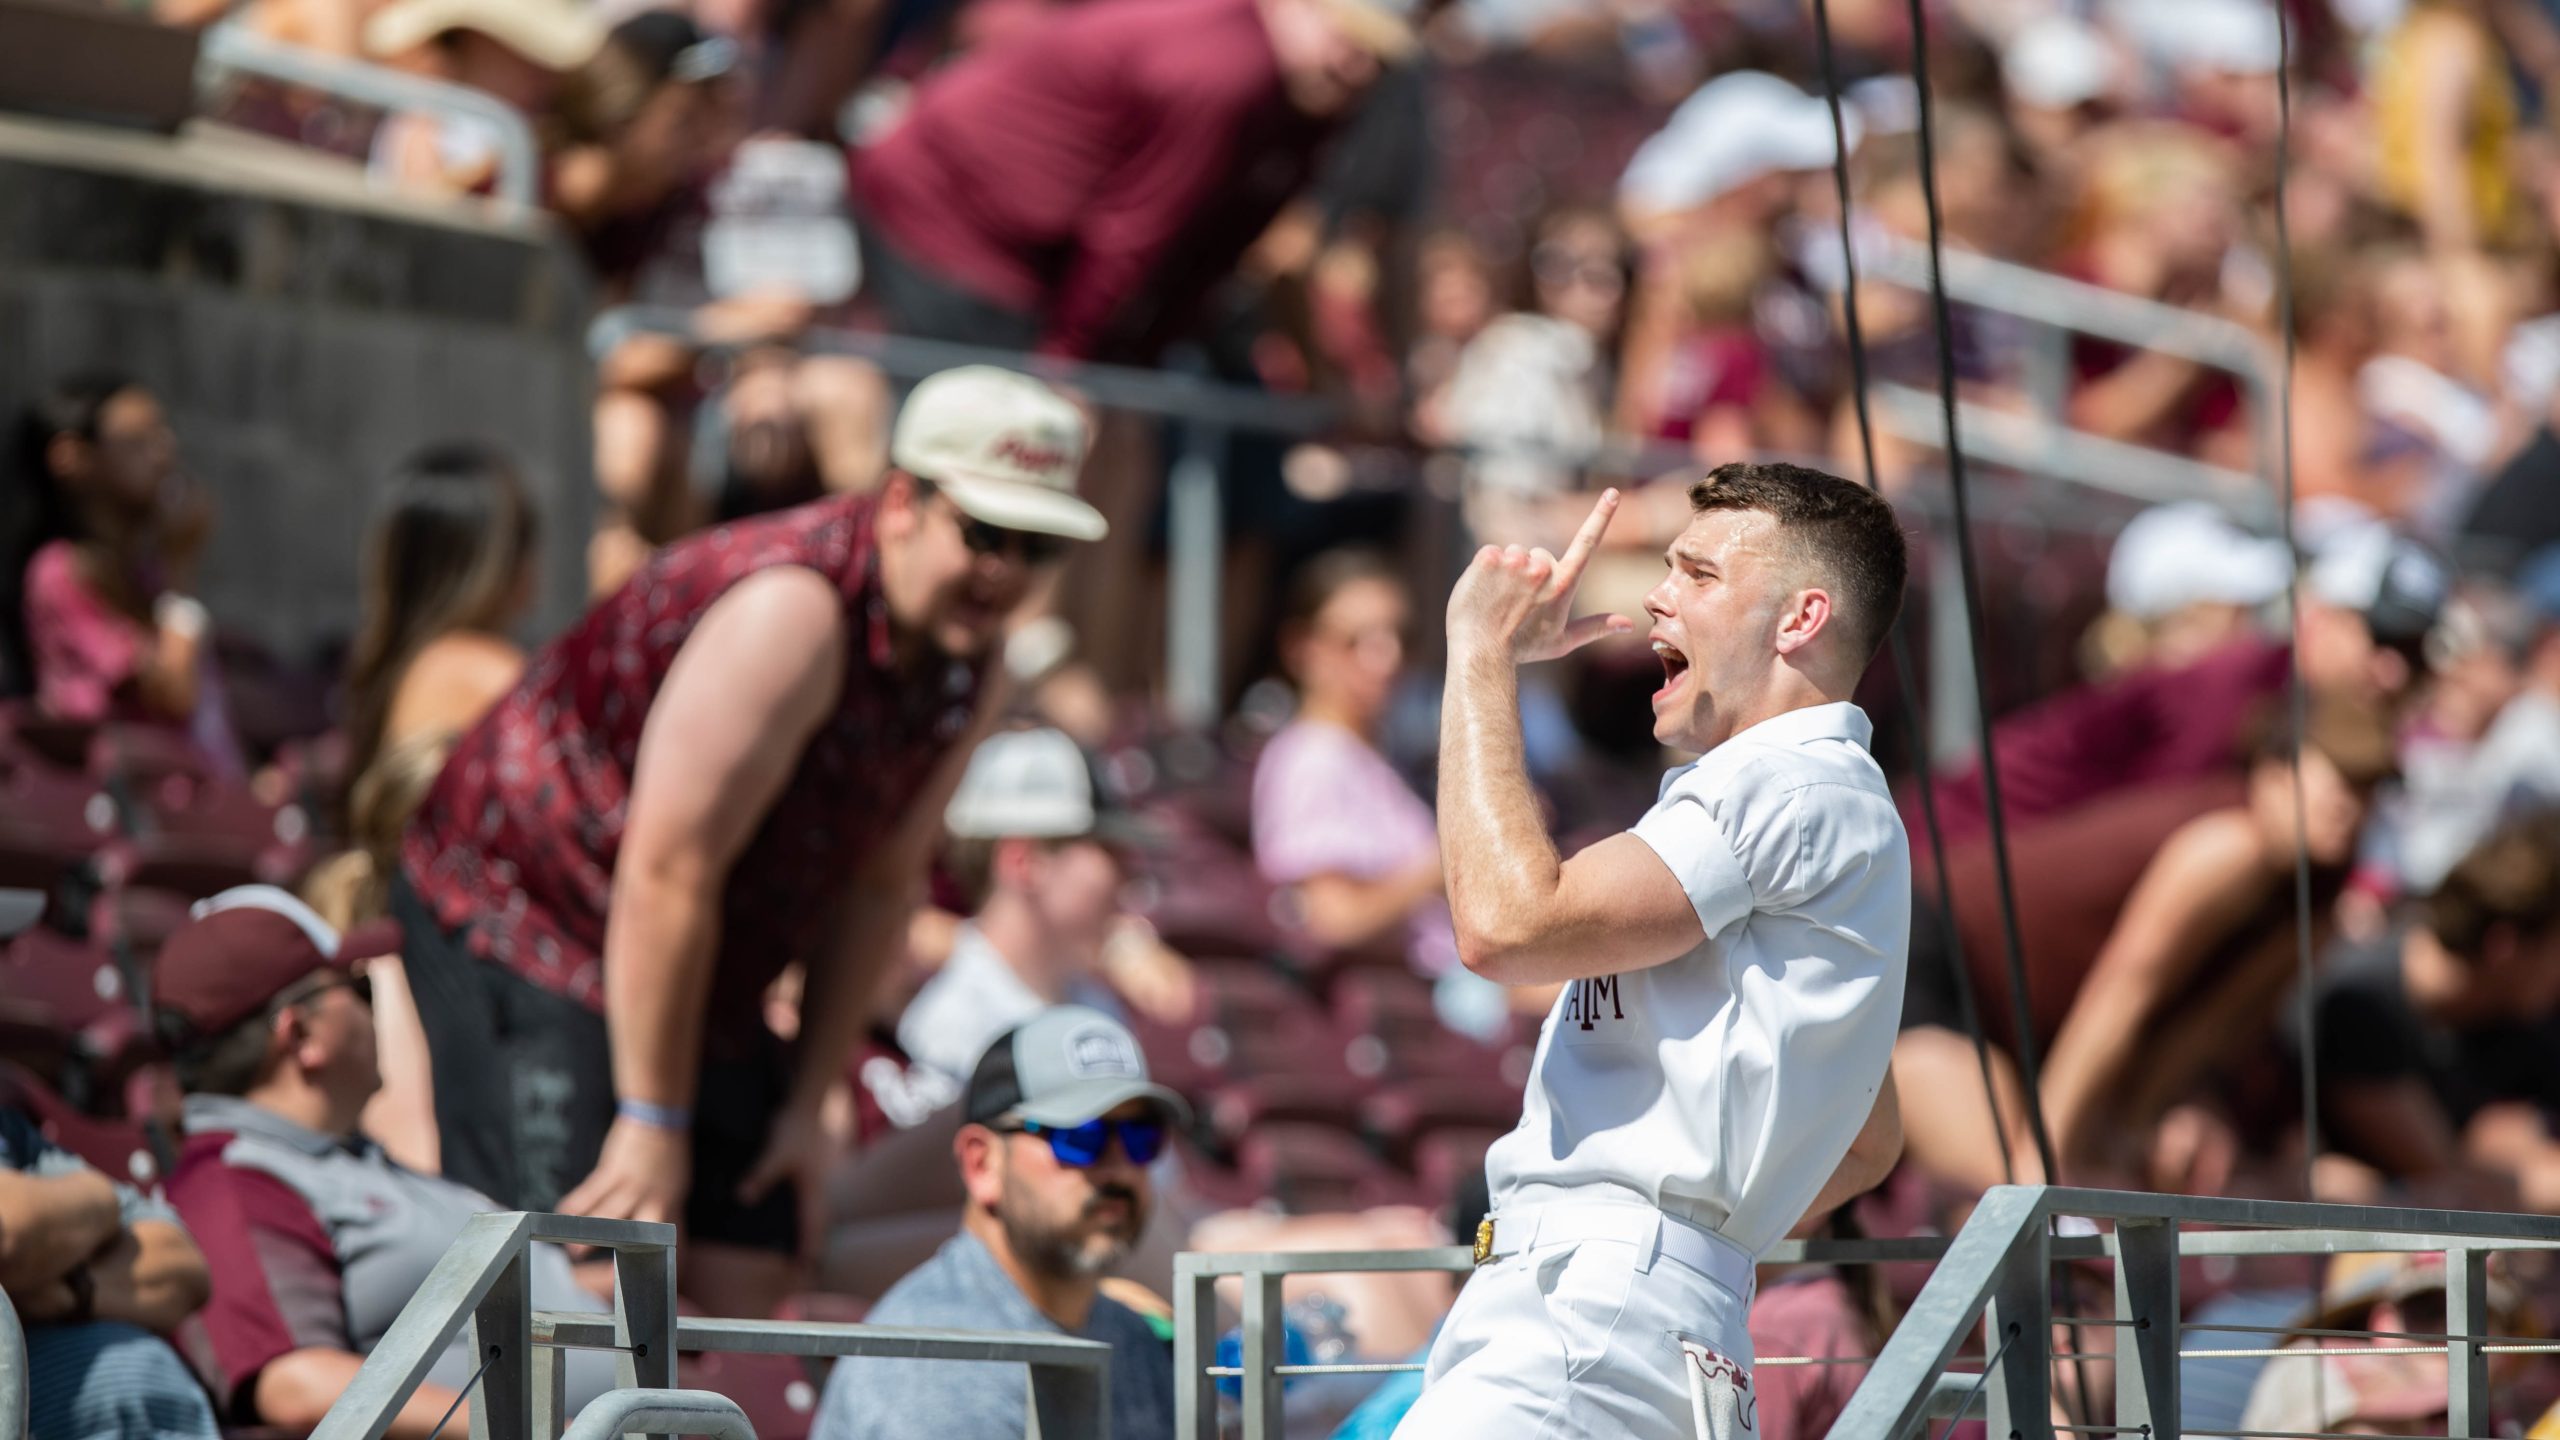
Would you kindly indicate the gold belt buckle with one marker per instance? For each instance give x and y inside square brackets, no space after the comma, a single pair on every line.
[1484,1240]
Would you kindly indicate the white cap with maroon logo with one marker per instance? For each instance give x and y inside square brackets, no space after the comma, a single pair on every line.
[1005,448]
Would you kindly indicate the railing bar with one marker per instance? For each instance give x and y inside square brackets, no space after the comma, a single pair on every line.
[2292,1435]
[2300,1330]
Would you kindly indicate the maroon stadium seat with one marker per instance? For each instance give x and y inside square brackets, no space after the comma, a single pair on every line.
[1244,1106]
[1397,1118]
[52,818]
[1444,1159]
[1309,1169]
[124,1149]
[190,821]
[778,1393]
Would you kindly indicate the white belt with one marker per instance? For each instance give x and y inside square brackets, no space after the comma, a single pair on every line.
[1652,1232]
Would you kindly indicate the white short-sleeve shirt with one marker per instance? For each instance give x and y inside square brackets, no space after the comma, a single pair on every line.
[1726,1085]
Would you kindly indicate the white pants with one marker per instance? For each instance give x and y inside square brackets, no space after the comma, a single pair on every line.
[1583,1341]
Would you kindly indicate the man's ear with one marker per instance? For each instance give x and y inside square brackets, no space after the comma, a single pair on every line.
[1807,615]
[977,1149]
[898,501]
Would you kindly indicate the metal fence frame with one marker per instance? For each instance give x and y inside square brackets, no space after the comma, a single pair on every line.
[14,1384]
[230,47]
[484,1282]
[1997,1270]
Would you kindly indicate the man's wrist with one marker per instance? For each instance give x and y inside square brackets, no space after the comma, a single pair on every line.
[674,1119]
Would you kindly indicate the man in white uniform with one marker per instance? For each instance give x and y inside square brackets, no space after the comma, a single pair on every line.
[1714,1072]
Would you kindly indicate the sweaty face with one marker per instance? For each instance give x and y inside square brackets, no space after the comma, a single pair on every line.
[1715,620]
[1323,67]
[1062,1220]
[956,597]
[1075,888]
[1353,650]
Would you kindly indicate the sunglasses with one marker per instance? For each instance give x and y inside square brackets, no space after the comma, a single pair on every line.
[1083,1146]
[361,985]
[985,540]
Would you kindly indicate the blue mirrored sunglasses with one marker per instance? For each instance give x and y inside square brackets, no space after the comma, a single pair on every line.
[1083,1145]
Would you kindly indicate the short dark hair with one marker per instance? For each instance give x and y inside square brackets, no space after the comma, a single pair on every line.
[1846,530]
[2510,878]
[230,1063]
[2355,735]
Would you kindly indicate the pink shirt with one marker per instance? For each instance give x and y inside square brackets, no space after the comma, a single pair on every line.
[87,654]
[1326,803]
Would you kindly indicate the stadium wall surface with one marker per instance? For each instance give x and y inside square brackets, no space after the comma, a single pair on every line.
[305,332]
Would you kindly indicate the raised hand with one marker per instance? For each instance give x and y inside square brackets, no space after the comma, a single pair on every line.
[1518,602]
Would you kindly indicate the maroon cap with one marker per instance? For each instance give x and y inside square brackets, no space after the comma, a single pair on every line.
[241,949]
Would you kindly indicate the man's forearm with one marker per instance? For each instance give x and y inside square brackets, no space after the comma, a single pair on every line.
[660,946]
[151,1275]
[51,1225]
[1493,842]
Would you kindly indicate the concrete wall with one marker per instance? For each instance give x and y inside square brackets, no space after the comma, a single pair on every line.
[305,334]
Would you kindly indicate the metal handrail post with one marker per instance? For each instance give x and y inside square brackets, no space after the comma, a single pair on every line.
[14,1384]
[502,1338]
[232,46]
[1195,1345]
[2466,1311]
[1895,1395]
[1195,529]
[427,1324]
[2147,1337]
[2016,1328]
[1264,1348]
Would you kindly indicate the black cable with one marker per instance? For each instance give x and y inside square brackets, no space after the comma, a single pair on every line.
[2021,1015]
[2295,697]
[1951,943]
[464,1393]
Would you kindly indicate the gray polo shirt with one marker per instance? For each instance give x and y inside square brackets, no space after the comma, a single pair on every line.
[962,1288]
[318,1242]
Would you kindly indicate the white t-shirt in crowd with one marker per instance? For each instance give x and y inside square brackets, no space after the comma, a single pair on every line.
[1726,1086]
[974,998]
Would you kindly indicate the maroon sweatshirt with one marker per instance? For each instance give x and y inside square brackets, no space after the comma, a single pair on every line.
[1101,171]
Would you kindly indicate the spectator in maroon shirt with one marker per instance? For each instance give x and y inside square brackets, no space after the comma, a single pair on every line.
[737,762]
[2368,604]
[1080,187]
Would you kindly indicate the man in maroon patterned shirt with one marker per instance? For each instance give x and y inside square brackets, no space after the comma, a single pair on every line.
[735,763]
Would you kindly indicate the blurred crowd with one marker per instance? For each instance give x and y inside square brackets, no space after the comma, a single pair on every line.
[1522,248]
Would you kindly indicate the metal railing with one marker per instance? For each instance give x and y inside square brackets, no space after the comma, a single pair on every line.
[1998,1272]
[483,1283]
[14,1395]
[231,48]
[2041,440]
[1202,414]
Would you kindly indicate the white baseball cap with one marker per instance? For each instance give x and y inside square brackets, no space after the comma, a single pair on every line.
[1734,130]
[1035,785]
[558,35]
[2057,62]
[1005,448]
[2172,556]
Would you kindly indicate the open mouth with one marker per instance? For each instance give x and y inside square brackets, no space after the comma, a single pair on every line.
[1674,664]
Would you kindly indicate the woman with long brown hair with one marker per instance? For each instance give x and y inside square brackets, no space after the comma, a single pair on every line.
[448,571]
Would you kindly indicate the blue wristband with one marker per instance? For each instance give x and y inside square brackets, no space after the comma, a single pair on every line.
[656,1117]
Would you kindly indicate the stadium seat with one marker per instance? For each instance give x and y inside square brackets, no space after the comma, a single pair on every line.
[52,817]
[778,1392]
[1241,1107]
[125,1150]
[1443,1159]
[189,820]
[1309,1169]
[131,923]
[1397,1118]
